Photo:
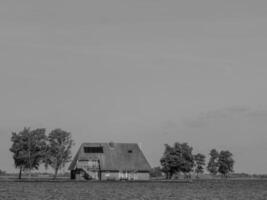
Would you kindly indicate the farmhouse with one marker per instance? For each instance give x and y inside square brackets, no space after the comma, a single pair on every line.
[110,161]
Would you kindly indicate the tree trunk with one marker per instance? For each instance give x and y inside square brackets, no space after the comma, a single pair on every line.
[20,171]
[55,175]
[170,175]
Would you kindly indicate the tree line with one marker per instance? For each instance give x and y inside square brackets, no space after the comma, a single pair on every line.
[2,172]
[179,158]
[31,148]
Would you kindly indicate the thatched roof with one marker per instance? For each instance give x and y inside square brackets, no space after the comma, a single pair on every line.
[115,156]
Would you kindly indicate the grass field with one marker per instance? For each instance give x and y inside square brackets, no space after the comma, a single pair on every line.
[197,190]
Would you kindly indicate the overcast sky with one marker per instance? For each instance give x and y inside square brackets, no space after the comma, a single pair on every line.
[147,71]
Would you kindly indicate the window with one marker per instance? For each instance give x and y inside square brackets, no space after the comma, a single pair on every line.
[130,151]
[93,149]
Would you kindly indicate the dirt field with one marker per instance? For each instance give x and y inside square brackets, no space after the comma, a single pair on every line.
[198,190]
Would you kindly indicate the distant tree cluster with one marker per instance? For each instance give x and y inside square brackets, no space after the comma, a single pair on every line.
[220,162]
[179,158]
[2,172]
[31,148]
[156,172]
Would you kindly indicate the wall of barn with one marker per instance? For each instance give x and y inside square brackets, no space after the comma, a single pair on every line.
[110,176]
[128,175]
[142,176]
[113,175]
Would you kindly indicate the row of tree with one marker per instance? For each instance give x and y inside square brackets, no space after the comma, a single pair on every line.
[2,172]
[31,148]
[220,162]
[179,158]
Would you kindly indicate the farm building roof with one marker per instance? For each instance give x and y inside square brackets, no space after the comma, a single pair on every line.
[115,156]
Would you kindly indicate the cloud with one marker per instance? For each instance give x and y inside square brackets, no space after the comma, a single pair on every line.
[194,123]
[168,126]
[238,109]
[204,119]
[258,114]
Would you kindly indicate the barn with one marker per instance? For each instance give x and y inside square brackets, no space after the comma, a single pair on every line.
[109,161]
